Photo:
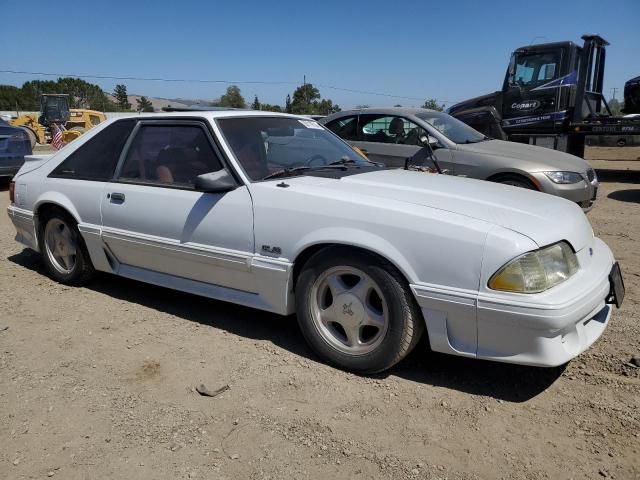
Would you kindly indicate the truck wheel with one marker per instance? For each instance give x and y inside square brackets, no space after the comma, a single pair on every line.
[356,311]
[516,181]
[63,252]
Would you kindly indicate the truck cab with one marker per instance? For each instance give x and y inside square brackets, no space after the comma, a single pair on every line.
[551,96]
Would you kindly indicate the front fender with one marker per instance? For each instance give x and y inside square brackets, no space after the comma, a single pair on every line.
[357,238]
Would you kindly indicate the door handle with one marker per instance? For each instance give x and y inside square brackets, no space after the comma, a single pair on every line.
[116,197]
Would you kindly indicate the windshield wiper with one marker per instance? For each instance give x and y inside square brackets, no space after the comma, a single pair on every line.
[286,172]
[342,161]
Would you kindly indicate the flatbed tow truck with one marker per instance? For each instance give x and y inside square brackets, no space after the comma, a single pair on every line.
[551,96]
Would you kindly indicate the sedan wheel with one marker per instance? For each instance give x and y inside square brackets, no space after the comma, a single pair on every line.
[63,252]
[356,310]
[349,311]
[516,181]
[60,246]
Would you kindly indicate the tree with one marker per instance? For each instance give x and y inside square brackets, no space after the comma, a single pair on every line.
[615,106]
[256,103]
[265,107]
[432,104]
[11,98]
[287,104]
[144,105]
[233,98]
[122,99]
[326,107]
[81,94]
[305,99]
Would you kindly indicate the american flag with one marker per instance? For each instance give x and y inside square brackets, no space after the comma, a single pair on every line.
[56,141]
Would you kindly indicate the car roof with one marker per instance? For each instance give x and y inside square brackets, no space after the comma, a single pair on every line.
[212,114]
[380,111]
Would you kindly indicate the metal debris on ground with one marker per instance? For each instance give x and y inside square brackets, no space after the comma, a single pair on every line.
[205,392]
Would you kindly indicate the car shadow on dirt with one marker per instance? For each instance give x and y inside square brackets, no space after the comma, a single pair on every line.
[4,183]
[511,383]
[632,196]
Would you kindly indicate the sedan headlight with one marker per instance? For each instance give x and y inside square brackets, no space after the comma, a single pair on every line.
[537,271]
[564,177]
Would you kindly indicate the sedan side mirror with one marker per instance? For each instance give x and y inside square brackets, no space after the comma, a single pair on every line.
[215,182]
[429,141]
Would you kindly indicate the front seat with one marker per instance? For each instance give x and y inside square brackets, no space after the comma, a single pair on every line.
[396,128]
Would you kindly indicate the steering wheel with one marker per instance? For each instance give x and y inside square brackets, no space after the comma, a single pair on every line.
[319,160]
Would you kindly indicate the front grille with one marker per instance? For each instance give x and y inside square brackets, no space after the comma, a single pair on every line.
[591,175]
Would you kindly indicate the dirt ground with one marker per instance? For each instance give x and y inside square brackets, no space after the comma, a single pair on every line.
[98,382]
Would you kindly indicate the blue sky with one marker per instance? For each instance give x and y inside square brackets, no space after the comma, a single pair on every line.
[449,50]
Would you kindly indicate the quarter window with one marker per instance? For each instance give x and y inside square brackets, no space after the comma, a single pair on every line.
[169,155]
[389,129]
[97,159]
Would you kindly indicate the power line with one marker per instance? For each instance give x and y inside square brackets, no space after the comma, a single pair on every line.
[230,82]
[147,79]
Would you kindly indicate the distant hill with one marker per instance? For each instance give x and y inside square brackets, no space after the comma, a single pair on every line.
[160,103]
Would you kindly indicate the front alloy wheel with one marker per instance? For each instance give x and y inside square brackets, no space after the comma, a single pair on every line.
[348,310]
[356,310]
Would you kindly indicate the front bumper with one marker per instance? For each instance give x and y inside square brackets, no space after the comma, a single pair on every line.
[583,193]
[546,329]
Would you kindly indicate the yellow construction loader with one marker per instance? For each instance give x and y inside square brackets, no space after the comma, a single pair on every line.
[54,109]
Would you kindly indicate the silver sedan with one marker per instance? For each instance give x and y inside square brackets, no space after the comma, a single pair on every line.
[391,135]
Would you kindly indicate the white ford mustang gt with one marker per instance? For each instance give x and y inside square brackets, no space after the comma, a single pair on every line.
[275,212]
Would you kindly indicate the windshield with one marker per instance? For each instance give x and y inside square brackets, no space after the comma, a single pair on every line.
[534,68]
[452,128]
[265,146]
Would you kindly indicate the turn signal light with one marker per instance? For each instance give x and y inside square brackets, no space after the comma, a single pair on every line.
[12,192]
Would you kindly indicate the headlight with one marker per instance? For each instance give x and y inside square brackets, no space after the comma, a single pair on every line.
[537,271]
[564,177]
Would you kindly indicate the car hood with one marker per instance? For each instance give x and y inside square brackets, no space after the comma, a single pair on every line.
[543,218]
[543,158]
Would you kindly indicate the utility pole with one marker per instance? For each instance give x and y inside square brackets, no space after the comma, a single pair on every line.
[304,87]
[615,89]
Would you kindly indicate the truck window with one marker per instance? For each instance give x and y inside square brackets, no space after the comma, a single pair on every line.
[534,68]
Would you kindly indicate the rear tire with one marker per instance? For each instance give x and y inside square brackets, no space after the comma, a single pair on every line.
[62,248]
[356,310]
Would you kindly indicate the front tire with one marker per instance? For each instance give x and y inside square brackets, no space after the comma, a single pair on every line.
[356,311]
[516,181]
[62,249]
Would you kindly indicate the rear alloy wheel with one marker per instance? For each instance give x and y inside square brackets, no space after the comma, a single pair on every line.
[63,251]
[355,310]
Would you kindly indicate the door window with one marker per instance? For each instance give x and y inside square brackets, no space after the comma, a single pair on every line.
[169,155]
[346,127]
[97,159]
[389,129]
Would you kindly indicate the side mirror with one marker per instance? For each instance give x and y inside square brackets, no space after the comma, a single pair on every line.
[215,182]
[429,141]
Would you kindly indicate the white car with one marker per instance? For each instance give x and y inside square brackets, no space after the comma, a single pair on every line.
[275,212]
